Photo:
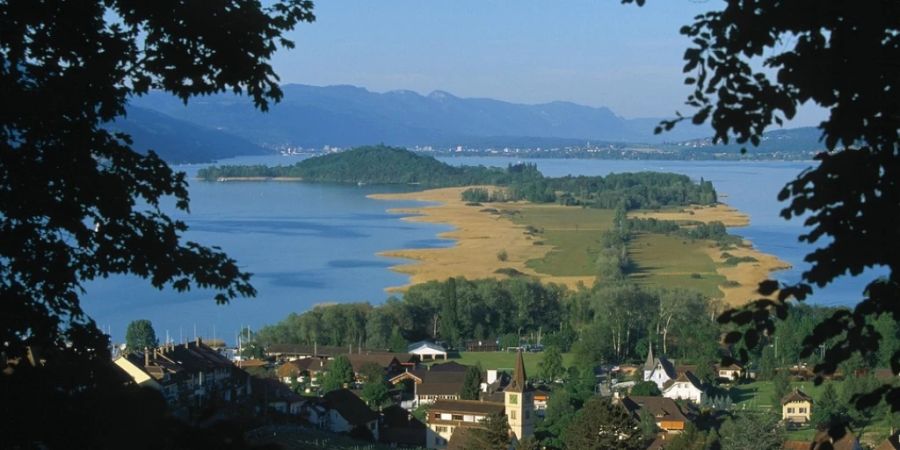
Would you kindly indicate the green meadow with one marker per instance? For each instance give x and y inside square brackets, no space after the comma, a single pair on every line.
[574,234]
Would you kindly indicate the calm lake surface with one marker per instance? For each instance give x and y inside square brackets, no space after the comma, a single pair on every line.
[316,243]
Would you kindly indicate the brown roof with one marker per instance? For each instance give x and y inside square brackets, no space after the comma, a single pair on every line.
[796,396]
[180,361]
[304,350]
[466,406]
[822,441]
[441,383]
[891,443]
[434,382]
[462,439]
[350,407]
[660,407]
[518,379]
[253,363]
[451,366]
[381,359]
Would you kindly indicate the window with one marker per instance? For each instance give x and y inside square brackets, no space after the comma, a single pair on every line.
[513,399]
[512,415]
[802,410]
[790,410]
[457,417]
[440,429]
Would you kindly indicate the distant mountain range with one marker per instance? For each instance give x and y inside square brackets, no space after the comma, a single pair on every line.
[225,125]
[178,141]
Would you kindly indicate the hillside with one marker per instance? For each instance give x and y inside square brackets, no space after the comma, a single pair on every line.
[178,141]
[387,165]
[312,116]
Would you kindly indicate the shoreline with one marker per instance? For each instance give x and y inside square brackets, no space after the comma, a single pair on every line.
[227,179]
[747,274]
[479,237]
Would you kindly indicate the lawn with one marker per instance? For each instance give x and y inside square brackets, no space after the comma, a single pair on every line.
[507,360]
[670,261]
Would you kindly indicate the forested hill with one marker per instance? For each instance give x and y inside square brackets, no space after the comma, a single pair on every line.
[387,165]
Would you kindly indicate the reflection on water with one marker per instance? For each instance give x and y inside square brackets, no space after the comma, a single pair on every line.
[313,243]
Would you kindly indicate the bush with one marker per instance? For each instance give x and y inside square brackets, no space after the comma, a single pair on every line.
[502,256]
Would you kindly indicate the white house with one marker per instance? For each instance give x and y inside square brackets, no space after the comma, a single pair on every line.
[427,350]
[658,370]
[686,387]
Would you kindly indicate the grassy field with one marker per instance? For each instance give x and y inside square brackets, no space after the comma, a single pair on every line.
[758,396]
[573,232]
[506,360]
[669,261]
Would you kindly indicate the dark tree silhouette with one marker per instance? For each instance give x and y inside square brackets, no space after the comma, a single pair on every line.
[77,203]
[842,56]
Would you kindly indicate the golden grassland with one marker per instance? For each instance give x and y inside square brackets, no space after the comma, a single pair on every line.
[558,244]
[746,276]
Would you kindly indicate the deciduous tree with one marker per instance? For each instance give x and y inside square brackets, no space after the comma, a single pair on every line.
[78,203]
[752,64]
[139,335]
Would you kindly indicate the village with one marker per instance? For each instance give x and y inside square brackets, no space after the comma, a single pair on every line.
[337,397]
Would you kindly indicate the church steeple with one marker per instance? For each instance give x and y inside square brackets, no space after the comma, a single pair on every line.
[518,379]
[650,364]
[519,402]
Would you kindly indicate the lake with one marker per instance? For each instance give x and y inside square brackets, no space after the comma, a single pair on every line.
[308,244]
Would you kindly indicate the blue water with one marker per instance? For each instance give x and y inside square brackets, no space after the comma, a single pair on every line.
[316,243]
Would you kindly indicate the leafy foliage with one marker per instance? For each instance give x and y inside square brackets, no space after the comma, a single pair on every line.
[602,425]
[751,431]
[493,434]
[646,389]
[339,375]
[388,165]
[840,57]
[77,203]
[471,389]
[140,335]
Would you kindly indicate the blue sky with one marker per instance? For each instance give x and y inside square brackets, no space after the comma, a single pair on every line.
[593,52]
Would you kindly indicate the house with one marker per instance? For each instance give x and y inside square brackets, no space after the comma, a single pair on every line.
[658,370]
[190,376]
[388,362]
[891,443]
[287,352]
[446,417]
[302,370]
[730,372]
[482,346]
[451,366]
[401,429]
[685,387]
[430,385]
[665,411]
[341,411]
[823,441]
[427,350]
[796,407]
[272,394]
[541,397]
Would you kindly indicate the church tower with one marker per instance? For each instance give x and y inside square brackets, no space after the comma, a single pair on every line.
[519,402]
[650,364]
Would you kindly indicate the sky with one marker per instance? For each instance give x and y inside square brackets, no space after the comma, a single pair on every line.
[591,52]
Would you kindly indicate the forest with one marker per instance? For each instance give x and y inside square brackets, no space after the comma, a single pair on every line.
[612,322]
[521,181]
